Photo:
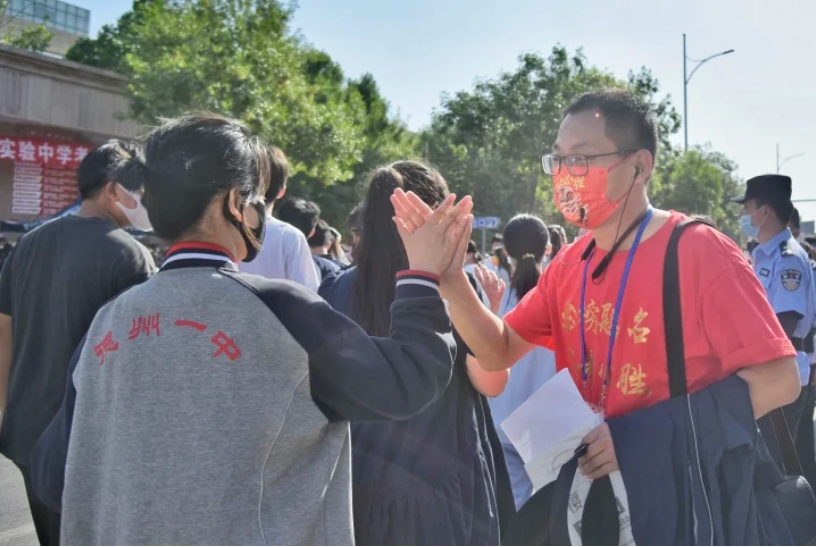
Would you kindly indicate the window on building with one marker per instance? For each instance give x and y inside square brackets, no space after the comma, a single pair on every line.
[54,14]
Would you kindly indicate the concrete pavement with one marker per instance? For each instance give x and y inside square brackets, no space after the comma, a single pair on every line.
[16,527]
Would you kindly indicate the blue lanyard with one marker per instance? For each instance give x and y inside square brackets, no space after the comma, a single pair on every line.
[615,314]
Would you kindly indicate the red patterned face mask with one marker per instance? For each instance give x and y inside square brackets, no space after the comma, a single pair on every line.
[582,200]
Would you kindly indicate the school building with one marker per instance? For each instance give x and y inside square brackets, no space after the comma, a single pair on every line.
[52,112]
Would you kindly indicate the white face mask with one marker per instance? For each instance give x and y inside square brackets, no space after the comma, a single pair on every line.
[138,216]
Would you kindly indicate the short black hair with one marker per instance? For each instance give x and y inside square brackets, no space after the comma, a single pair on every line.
[194,160]
[630,123]
[497,238]
[795,219]
[278,173]
[782,208]
[300,213]
[322,235]
[111,162]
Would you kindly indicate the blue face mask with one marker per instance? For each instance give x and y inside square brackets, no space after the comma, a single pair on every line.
[747,227]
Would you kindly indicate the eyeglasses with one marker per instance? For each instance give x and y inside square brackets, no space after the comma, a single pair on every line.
[577,164]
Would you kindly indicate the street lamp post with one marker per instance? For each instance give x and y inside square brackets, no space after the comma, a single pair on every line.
[687,79]
[780,161]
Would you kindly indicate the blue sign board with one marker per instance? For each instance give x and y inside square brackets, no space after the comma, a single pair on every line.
[486,223]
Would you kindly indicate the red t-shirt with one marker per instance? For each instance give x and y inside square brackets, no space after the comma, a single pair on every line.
[728,323]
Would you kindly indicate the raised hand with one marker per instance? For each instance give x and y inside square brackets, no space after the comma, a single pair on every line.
[410,209]
[493,287]
[435,244]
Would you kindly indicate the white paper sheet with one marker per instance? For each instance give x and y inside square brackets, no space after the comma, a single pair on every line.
[545,430]
[550,420]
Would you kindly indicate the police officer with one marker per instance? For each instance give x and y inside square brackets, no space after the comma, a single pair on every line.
[782,267]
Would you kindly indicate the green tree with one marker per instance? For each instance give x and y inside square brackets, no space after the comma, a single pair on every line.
[235,57]
[240,58]
[385,139]
[113,42]
[488,141]
[33,37]
[702,181]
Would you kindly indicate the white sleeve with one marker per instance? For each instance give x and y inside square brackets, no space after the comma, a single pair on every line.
[300,266]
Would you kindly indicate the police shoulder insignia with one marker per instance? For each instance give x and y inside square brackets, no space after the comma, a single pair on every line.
[791,279]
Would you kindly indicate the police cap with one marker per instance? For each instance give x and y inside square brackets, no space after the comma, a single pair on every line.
[767,188]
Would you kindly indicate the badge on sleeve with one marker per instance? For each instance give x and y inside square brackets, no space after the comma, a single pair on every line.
[791,279]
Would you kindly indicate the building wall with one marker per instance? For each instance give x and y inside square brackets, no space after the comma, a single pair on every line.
[38,89]
[58,101]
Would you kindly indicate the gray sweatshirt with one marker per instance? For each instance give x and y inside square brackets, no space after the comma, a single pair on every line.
[212,407]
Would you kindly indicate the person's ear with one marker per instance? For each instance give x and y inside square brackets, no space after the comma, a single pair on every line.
[643,165]
[234,205]
[110,190]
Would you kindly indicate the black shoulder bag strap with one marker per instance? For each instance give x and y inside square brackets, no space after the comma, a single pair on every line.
[675,352]
[672,314]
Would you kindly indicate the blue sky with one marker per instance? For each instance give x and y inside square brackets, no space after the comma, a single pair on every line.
[743,103]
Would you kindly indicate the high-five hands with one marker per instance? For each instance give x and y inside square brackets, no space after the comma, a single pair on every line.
[441,237]
[436,238]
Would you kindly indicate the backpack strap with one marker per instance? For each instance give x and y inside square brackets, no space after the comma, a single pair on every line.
[672,313]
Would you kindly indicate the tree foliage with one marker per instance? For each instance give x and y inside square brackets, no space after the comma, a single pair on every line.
[240,58]
[32,37]
[488,141]
[701,181]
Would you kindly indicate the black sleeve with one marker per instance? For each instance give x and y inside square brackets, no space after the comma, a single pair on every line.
[5,285]
[788,320]
[50,454]
[133,268]
[357,377]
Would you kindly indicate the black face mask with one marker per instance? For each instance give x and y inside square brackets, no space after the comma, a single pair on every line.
[259,232]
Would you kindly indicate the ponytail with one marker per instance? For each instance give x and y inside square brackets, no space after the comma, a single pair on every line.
[526,275]
[525,240]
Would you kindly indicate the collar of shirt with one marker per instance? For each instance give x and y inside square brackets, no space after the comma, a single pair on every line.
[772,245]
[198,254]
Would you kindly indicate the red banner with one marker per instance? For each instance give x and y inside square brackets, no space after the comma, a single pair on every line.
[63,155]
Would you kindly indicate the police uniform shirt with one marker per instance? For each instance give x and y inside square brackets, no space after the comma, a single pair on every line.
[784,270]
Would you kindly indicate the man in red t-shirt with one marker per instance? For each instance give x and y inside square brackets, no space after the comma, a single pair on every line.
[603,293]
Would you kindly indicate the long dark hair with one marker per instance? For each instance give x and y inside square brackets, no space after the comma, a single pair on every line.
[192,160]
[525,239]
[380,253]
[558,238]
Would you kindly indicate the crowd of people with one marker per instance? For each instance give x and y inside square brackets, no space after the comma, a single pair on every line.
[269,383]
